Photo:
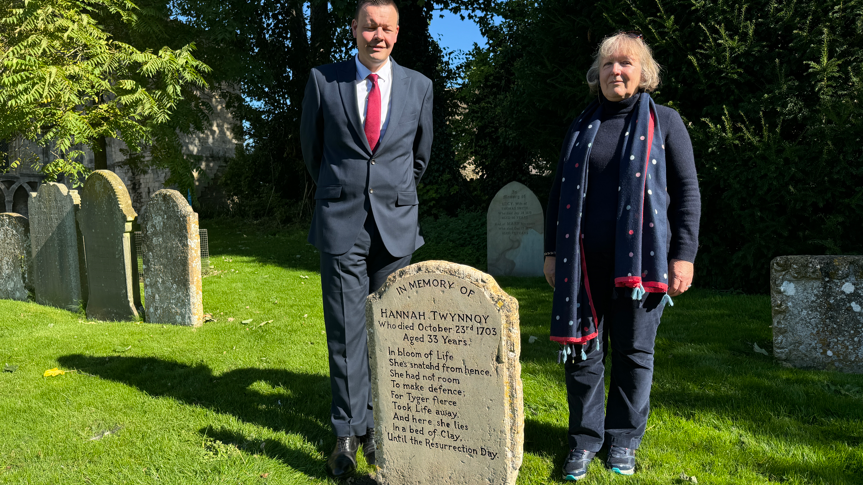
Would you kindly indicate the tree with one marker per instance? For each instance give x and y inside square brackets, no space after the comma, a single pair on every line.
[65,81]
[769,91]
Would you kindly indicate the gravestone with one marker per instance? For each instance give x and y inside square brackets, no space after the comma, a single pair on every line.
[106,219]
[515,226]
[59,271]
[444,345]
[14,256]
[172,261]
[818,311]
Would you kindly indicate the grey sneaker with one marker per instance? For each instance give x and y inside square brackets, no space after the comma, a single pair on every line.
[575,466]
[621,460]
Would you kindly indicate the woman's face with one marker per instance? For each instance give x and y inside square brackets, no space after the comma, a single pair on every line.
[619,76]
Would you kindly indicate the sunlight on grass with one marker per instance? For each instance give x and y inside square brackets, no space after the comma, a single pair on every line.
[234,402]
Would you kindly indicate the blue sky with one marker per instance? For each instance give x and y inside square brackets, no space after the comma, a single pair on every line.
[454,34]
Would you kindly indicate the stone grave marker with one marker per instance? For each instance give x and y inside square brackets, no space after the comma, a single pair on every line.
[14,256]
[172,261]
[106,219]
[515,227]
[59,270]
[444,345]
[818,311]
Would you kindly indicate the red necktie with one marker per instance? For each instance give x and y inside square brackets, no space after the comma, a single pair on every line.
[373,114]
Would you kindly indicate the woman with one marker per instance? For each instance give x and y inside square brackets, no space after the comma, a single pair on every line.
[622,233]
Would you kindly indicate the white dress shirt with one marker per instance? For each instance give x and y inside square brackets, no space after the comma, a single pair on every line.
[364,87]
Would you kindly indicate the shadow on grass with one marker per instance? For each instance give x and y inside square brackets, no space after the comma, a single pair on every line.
[267,244]
[299,405]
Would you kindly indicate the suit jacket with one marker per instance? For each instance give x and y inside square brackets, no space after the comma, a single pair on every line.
[346,172]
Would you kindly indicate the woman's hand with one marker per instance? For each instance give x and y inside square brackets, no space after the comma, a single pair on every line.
[681,273]
[548,269]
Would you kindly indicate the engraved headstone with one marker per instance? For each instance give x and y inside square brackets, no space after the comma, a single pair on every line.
[818,311]
[106,219]
[515,226]
[59,271]
[14,256]
[172,261]
[444,345]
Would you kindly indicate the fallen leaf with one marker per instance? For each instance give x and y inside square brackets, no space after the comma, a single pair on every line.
[10,368]
[532,339]
[121,349]
[231,319]
[53,372]
[262,324]
[209,318]
[248,321]
[264,475]
[306,315]
[758,349]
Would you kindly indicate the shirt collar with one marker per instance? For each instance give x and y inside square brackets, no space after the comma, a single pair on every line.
[384,73]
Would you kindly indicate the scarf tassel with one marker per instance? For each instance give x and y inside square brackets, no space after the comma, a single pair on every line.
[666,299]
[638,292]
[569,352]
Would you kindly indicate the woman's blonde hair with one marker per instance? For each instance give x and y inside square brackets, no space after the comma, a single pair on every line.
[632,45]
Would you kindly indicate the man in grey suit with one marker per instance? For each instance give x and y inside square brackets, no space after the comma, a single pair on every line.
[366,132]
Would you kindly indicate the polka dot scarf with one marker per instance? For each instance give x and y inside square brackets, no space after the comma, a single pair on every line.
[640,254]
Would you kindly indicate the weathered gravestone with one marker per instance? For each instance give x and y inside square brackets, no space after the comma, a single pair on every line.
[172,261]
[818,311]
[14,256]
[515,232]
[106,219]
[59,271]
[444,345]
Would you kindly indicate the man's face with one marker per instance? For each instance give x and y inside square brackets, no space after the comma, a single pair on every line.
[376,31]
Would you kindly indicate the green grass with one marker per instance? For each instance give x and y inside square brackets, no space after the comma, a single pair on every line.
[248,403]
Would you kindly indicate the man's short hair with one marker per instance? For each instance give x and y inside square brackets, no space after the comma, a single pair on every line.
[375,3]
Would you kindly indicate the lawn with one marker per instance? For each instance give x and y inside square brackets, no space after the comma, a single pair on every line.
[245,398]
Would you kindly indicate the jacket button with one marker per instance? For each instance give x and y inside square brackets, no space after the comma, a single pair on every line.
[373,161]
[371,191]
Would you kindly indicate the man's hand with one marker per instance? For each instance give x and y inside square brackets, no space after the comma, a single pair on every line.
[681,273]
[548,269]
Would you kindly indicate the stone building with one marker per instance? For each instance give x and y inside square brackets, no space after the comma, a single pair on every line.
[215,145]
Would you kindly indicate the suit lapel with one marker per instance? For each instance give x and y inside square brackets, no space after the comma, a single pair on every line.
[401,83]
[348,91]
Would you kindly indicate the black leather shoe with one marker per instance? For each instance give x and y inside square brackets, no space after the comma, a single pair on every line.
[575,466]
[343,459]
[368,442]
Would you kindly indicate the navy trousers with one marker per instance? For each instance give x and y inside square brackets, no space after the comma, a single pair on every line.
[346,280]
[627,329]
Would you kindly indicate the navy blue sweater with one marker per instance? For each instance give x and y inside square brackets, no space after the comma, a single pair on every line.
[600,218]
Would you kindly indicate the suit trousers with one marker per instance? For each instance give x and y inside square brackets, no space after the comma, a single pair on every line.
[346,280]
[627,329]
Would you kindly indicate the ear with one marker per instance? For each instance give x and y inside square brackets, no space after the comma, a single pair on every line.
[396,37]
[354,25]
